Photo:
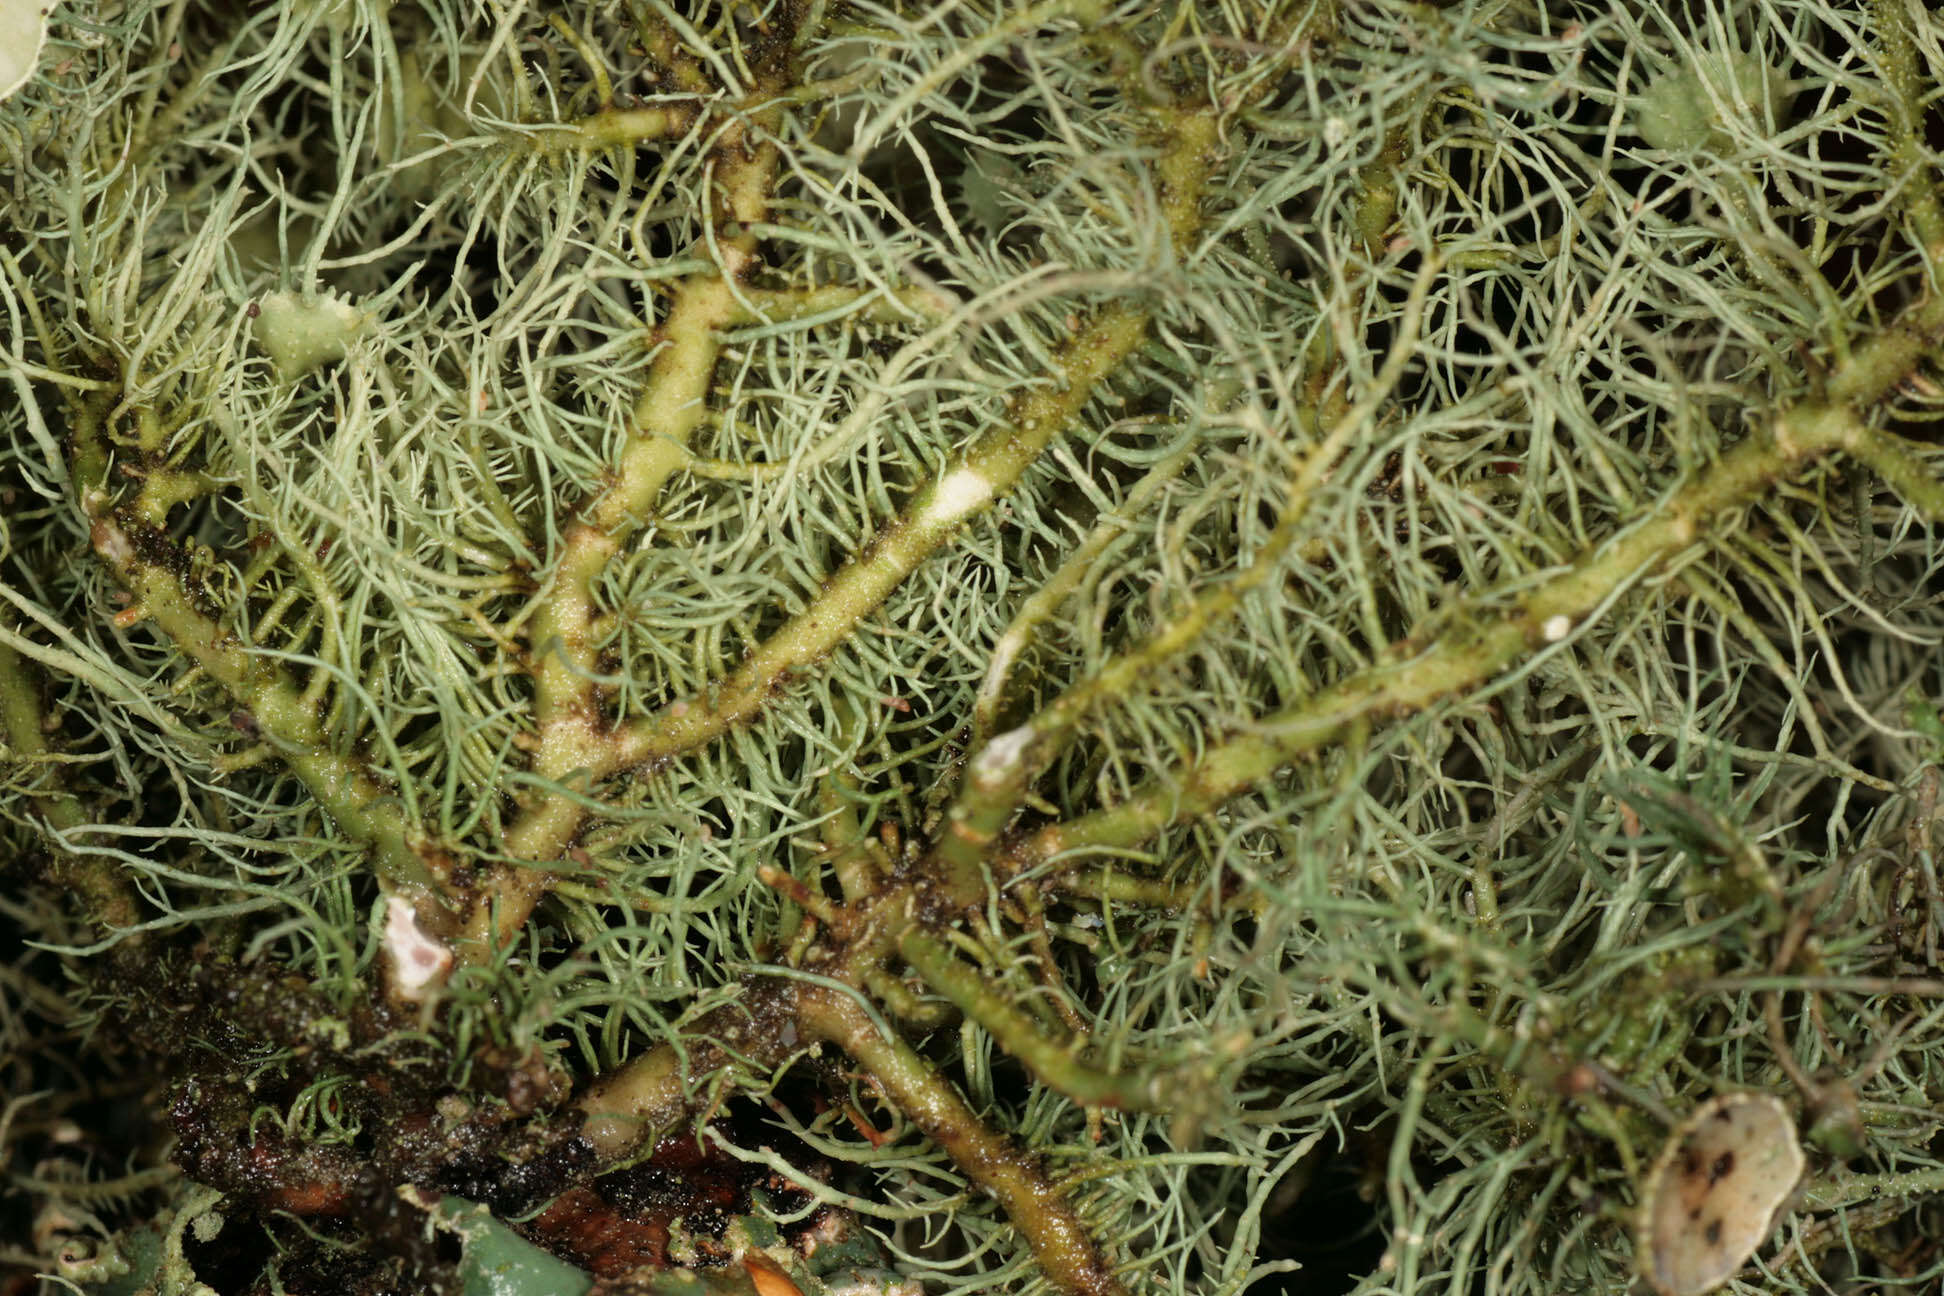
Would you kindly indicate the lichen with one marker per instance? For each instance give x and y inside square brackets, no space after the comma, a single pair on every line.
[1132,649]
[301,332]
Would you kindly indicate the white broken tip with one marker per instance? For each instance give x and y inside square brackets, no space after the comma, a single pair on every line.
[112,543]
[1002,753]
[959,492]
[418,962]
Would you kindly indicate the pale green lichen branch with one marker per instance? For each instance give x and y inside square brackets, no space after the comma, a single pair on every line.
[1910,96]
[1901,465]
[1039,606]
[1044,1215]
[937,511]
[571,735]
[1001,770]
[148,565]
[1060,1063]
[1483,642]
[23,729]
[939,508]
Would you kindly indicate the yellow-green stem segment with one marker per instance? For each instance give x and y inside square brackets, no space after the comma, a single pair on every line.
[1043,1214]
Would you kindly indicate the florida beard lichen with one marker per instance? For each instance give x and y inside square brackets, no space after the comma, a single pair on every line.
[855,648]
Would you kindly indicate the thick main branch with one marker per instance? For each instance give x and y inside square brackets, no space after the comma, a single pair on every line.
[943,505]
[572,738]
[150,566]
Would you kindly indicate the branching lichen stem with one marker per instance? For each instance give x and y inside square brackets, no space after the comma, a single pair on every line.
[935,514]
[150,566]
[1907,88]
[1042,1213]
[623,127]
[1001,771]
[109,899]
[1057,1063]
[941,506]
[572,738]
[1480,643]
[1901,466]
[655,1093]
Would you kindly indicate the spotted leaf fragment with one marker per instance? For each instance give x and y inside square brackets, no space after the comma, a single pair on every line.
[23,28]
[1712,1195]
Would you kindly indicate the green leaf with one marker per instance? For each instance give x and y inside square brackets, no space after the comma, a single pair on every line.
[496,1261]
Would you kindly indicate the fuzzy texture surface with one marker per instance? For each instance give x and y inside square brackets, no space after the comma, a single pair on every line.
[1229,647]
